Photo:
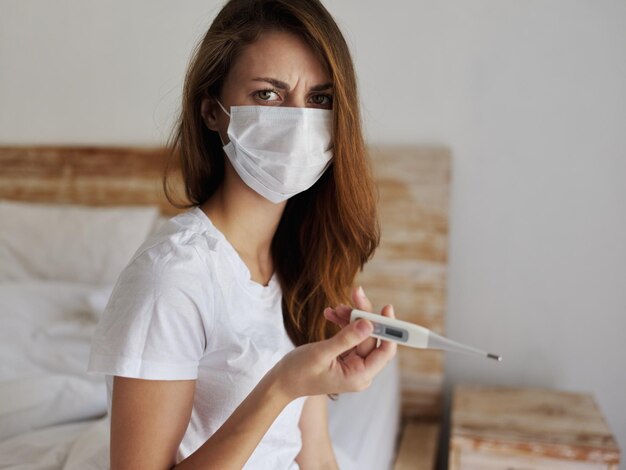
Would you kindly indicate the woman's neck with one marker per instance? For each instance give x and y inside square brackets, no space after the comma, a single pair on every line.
[247,220]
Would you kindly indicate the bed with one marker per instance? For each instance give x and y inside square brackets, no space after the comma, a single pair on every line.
[71,219]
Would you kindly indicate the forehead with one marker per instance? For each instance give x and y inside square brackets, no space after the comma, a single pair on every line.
[280,55]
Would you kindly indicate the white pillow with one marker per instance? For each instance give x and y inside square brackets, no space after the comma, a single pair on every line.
[45,341]
[70,242]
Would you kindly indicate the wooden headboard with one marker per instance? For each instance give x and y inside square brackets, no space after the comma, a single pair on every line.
[408,270]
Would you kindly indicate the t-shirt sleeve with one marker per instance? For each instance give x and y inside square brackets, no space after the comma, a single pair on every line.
[155,323]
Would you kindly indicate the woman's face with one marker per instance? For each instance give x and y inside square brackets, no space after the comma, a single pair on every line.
[279,69]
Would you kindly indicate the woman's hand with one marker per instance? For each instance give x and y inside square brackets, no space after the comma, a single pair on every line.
[347,362]
[341,316]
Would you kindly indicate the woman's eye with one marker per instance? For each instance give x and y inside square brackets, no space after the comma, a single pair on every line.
[322,100]
[266,95]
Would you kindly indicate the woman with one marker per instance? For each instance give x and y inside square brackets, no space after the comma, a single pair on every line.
[217,346]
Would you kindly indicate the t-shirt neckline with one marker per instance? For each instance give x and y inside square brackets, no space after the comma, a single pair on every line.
[237,262]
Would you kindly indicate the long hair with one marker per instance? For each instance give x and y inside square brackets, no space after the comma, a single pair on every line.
[326,233]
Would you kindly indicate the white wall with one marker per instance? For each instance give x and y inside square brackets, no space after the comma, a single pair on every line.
[530,96]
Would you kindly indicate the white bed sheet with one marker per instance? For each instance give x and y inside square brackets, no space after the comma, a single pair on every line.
[53,414]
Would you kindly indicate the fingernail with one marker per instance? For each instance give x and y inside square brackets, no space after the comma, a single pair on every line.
[363,326]
[360,292]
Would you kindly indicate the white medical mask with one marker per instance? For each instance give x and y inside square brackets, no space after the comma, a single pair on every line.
[279,152]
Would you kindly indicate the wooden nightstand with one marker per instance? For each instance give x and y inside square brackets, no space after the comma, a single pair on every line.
[501,428]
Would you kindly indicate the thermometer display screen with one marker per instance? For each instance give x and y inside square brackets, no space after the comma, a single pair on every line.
[393,332]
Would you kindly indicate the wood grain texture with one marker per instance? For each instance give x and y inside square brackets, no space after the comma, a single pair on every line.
[471,460]
[528,425]
[418,446]
[408,270]
[92,176]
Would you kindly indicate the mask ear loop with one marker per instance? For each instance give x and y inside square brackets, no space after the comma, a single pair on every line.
[223,108]
[227,114]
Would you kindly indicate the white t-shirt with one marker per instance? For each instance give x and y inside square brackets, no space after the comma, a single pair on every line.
[185,308]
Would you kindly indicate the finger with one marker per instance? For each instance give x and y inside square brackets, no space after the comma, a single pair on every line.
[380,356]
[388,311]
[340,316]
[343,312]
[366,347]
[346,353]
[332,316]
[348,337]
[360,300]
[352,363]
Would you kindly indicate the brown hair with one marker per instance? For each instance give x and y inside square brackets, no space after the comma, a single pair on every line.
[326,233]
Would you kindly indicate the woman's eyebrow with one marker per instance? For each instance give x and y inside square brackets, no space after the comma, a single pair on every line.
[283,86]
[322,87]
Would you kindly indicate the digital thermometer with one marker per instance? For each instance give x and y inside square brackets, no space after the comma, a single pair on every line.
[415,336]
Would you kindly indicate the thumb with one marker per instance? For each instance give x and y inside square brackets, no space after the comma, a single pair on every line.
[349,336]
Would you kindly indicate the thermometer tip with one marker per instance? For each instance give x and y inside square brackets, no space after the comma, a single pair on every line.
[494,356]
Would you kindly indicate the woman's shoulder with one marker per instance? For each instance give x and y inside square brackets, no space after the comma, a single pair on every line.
[185,242]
